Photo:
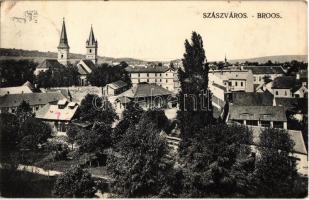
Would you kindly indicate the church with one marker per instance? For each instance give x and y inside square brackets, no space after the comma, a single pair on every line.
[84,66]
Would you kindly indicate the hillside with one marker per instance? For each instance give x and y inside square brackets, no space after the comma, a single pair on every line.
[39,56]
[279,59]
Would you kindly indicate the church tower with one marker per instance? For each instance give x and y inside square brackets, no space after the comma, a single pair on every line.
[92,48]
[63,47]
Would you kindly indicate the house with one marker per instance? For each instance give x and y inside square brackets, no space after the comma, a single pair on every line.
[10,102]
[264,116]
[146,95]
[299,154]
[289,87]
[58,114]
[223,82]
[27,87]
[47,64]
[162,76]
[262,73]
[115,88]
[85,67]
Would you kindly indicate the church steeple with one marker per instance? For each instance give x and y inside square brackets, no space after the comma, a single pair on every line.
[63,47]
[91,47]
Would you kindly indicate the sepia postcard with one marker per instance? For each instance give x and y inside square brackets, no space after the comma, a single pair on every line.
[153,99]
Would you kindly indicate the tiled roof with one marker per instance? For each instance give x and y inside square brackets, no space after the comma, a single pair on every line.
[266,69]
[267,113]
[287,102]
[295,136]
[15,90]
[53,112]
[147,69]
[146,90]
[50,64]
[14,100]
[90,64]
[118,84]
[252,99]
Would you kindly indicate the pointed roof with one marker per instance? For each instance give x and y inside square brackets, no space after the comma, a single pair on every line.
[91,40]
[63,43]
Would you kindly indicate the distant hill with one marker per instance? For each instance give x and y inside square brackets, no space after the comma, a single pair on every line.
[274,59]
[39,56]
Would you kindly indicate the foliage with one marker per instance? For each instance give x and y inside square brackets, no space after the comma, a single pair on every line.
[275,175]
[72,132]
[196,107]
[105,74]
[33,132]
[76,183]
[16,72]
[141,170]
[9,127]
[23,112]
[95,140]
[210,158]
[65,76]
[94,108]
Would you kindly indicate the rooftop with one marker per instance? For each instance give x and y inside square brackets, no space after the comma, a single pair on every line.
[27,87]
[266,113]
[50,64]
[118,84]
[147,69]
[146,90]
[252,99]
[14,100]
[53,112]
[266,69]
[284,82]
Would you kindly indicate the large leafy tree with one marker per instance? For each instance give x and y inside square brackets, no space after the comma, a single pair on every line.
[94,108]
[194,98]
[105,74]
[141,169]
[72,132]
[276,174]
[16,72]
[210,158]
[9,127]
[33,132]
[131,116]
[76,183]
[23,112]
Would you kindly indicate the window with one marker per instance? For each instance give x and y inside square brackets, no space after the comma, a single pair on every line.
[155,74]
[139,75]
[166,80]
[89,50]
[166,74]
[147,80]
[37,108]
[252,122]
[160,80]
[155,80]
[160,74]
[277,93]
[147,74]
[285,94]
[236,83]
[61,55]
[241,83]
[230,83]
[278,124]
[265,123]
[254,79]
[260,78]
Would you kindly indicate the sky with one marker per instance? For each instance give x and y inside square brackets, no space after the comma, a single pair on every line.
[157,30]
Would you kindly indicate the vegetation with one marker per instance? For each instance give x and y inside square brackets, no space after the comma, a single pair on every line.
[105,74]
[16,73]
[62,77]
[76,183]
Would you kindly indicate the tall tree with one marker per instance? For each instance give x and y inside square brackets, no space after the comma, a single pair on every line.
[9,127]
[23,112]
[275,175]
[194,98]
[141,170]
[94,108]
[76,183]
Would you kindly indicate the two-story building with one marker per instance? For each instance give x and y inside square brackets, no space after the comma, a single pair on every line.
[10,102]
[289,87]
[223,82]
[262,73]
[160,75]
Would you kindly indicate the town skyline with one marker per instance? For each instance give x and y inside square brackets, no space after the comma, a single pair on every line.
[119,39]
